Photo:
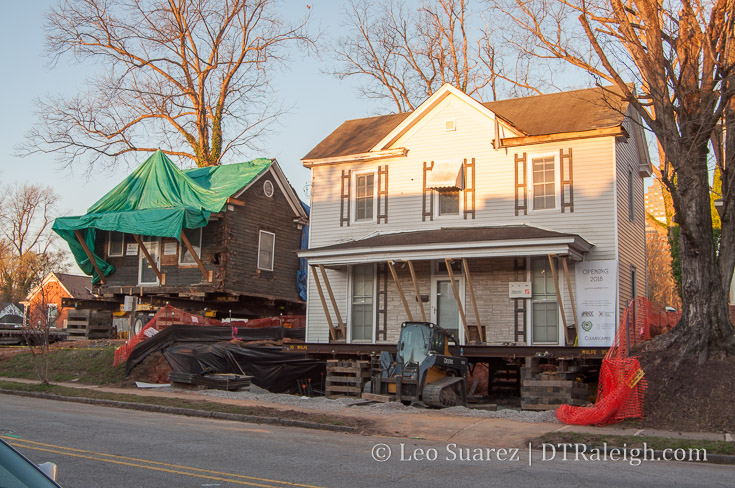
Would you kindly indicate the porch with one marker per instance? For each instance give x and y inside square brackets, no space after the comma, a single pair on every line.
[490,286]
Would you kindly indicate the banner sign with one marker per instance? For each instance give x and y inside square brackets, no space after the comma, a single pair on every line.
[597,286]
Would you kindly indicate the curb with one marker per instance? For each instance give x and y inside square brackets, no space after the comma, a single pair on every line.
[659,455]
[189,412]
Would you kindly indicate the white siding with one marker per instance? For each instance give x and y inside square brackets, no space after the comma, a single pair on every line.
[593,217]
[631,235]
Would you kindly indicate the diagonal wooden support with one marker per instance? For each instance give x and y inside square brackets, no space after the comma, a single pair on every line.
[332,331]
[559,299]
[571,294]
[89,254]
[460,307]
[340,323]
[416,289]
[205,273]
[400,291]
[480,329]
[154,267]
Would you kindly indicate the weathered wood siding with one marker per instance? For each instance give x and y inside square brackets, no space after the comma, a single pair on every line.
[177,275]
[271,214]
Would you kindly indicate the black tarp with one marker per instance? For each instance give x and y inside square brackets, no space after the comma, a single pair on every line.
[196,349]
[271,368]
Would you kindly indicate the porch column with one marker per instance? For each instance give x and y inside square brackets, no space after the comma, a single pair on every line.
[416,289]
[571,295]
[559,299]
[341,324]
[333,333]
[400,291]
[480,329]
[455,290]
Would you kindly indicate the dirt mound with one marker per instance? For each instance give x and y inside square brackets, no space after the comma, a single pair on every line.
[153,369]
[689,397]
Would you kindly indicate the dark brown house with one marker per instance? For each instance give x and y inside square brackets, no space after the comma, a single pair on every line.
[242,262]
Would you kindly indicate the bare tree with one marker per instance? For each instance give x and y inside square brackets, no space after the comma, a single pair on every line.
[41,314]
[27,249]
[405,54]
[681,55]
[190,77]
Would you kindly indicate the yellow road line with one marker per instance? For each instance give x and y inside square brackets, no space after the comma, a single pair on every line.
[98,456]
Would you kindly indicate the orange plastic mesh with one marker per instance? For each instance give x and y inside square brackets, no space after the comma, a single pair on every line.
[165,317]
[622,386]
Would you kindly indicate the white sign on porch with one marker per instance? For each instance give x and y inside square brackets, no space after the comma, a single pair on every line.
[597,285]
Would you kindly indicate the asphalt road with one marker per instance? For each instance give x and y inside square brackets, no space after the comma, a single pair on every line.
[107,447]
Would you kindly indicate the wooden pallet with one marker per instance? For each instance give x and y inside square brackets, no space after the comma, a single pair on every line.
[346,378]
[88,324]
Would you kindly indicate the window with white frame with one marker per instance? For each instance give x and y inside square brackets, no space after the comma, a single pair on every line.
[52,314]
[362,302]
[545,307]
[115,244]
[266,250]
[364,196]
[195,239]
[544,183]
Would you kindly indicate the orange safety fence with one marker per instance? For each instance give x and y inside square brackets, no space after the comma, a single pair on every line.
[622,385]
[165,317]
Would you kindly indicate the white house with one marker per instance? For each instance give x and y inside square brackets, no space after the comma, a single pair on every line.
[462,201]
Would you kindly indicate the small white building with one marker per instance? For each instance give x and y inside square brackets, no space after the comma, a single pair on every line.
[465,213]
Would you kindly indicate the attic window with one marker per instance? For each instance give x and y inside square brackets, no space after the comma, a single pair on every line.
[268,188]
[446,175]
[450,125]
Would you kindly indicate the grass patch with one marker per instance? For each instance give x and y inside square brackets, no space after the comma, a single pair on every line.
[655,443]
[90,366]
[183,403]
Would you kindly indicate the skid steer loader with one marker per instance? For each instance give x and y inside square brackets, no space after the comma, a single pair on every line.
[423,369]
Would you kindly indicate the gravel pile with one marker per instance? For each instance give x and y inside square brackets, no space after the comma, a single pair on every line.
[353,404]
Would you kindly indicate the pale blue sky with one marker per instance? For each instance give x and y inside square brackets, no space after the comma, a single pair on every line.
[320,103]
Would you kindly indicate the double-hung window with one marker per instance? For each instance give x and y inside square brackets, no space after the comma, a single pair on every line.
[544,183]
[364,196]
[266,250]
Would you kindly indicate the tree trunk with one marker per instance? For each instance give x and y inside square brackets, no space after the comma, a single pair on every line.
[704,330]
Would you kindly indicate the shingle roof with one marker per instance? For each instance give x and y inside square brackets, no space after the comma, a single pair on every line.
[572,111]
[450,234]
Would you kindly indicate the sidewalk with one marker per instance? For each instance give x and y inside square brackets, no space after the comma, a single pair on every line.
[434,425]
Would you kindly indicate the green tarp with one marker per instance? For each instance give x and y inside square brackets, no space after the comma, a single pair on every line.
[157,199]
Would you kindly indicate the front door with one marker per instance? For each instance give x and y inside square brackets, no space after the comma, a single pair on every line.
[146,275]
[444,307]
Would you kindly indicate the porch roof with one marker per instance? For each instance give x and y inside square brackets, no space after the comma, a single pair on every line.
[451,242]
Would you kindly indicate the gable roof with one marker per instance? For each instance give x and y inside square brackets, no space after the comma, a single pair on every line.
[555,113]
[78,286]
